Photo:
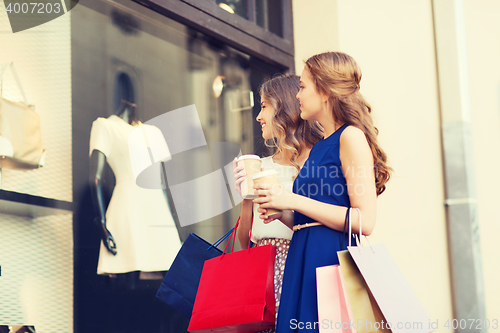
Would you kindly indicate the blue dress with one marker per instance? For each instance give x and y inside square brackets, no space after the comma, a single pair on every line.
[321,178]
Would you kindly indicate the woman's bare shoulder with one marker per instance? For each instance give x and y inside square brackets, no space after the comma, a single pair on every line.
[352,136]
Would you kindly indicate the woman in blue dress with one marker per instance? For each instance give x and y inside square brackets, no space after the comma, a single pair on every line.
[347,168]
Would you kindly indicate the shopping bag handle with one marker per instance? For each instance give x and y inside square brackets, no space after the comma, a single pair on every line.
[232,233]
[346,221]
[250,235]
[233,236]
[220,240]
[358,237]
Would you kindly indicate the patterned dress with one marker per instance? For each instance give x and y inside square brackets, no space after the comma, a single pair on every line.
[275,233]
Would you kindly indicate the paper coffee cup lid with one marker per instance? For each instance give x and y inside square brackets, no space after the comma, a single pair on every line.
[246,157]
[264,173]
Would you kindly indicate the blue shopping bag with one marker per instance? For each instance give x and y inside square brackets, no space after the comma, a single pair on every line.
[180,284]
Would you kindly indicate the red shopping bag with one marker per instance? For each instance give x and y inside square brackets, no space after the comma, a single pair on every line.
[236,292]
[334,310]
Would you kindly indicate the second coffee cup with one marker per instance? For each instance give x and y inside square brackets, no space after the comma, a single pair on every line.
[252,165]
[268,177]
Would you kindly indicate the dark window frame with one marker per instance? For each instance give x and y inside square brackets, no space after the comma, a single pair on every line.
[242,34]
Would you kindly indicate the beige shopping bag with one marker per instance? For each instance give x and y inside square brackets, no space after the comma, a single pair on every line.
[365,311]
[390,290]
[380,297]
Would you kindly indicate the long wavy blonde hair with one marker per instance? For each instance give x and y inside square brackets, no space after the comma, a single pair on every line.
[291,134]
[337,76]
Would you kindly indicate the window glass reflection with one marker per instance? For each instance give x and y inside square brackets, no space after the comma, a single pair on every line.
[127,52]
[268,14]
[168,68]
[238,7]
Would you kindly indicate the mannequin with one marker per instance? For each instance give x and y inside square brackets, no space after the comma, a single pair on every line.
[98,159]
[97,163]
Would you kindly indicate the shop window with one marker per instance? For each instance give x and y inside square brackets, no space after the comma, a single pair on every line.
[124,90]
[268,15]
[238,7]
[163,66]
[265,13]
[258,28]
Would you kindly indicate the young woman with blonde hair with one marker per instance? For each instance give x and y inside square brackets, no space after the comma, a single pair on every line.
[347,168]
[293,138]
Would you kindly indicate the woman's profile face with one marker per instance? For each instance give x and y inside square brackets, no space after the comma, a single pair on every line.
[311,101]
[265,118]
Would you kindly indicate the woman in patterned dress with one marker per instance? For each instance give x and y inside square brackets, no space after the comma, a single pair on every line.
[293,138]
[347,168]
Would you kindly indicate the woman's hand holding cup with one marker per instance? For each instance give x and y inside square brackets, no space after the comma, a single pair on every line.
[239,175]
[265,217]
[267,187]
[245,167]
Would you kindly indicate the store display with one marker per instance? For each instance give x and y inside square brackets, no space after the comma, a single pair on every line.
[20,133]
[139,230]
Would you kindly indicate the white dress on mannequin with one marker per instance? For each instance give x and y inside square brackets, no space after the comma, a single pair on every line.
[139,219]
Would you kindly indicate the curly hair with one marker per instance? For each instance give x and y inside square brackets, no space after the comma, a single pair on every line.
[337,76]
[290,132]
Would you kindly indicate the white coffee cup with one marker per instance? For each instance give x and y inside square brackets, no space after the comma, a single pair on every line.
[268,177]
[252,165]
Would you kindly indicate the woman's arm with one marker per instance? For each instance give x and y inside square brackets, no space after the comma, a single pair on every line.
[246,214]
[246,218]
[357,164]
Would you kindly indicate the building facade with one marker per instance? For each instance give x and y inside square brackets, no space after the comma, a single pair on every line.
[429,73]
